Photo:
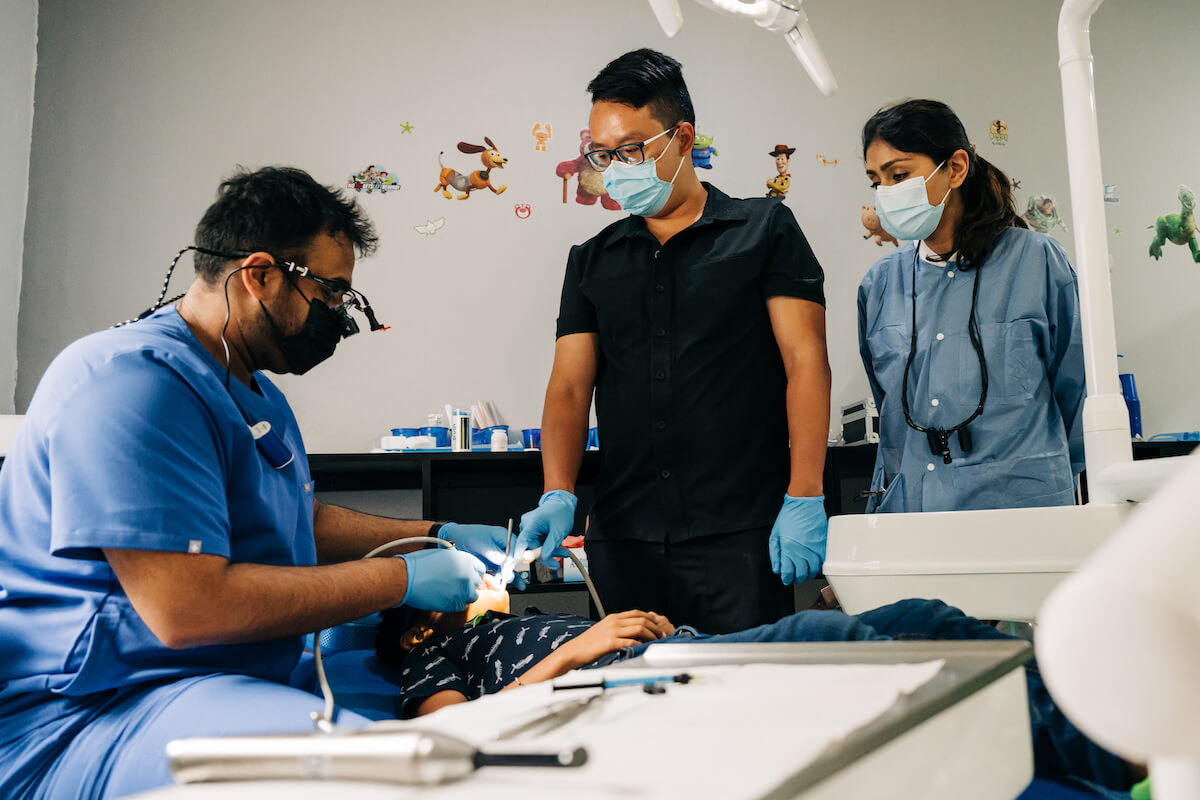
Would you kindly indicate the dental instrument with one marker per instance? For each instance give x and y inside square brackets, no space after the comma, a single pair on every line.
[400,757]
[324,719]
[551,718]
[681,677]
[506,566]
[530,556]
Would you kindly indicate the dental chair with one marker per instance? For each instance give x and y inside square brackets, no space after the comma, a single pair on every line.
[360,681]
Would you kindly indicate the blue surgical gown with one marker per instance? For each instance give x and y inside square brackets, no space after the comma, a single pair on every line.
[132,441]
[1028,444]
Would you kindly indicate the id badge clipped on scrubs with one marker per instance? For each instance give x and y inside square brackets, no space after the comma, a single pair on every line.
[270,445]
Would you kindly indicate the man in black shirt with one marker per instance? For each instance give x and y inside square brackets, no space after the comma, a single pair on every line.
[699,323]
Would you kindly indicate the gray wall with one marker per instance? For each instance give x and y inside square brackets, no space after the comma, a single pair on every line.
[143,106]
[18,57]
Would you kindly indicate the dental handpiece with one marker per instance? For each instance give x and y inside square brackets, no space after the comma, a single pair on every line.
[399,757]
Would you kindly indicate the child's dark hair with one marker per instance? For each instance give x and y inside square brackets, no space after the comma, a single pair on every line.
[278,210]
[643,78]
[931,128]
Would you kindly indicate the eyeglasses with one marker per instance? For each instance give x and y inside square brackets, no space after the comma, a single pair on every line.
[339,296]
[632,153]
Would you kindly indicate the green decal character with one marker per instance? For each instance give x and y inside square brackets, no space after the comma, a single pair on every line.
[1177,228]
[703,151]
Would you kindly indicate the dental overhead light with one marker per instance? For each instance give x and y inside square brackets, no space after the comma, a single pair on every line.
[778,16]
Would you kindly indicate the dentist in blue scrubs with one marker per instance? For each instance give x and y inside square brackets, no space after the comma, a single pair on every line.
[160,561]
[969,332]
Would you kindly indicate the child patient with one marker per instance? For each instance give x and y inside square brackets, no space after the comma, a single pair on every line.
[453,658]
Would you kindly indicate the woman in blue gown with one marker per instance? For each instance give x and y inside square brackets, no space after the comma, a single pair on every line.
[969,332]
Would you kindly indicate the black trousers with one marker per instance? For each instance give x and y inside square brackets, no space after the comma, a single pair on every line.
[716,584]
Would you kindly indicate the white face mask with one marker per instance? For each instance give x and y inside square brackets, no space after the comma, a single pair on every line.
[904,210]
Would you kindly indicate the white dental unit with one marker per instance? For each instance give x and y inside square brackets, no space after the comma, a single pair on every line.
[891,719]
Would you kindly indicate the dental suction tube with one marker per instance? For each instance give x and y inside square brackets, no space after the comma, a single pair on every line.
[417,758]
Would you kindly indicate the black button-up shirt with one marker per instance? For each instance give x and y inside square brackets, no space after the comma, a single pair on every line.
[690,385]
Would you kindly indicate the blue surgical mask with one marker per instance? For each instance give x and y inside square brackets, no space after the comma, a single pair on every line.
[637,187]
[904,209]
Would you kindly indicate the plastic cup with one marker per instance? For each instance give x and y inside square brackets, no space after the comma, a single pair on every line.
[440,434]
[531,438]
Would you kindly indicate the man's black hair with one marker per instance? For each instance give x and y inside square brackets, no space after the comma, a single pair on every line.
[278,210]
[643,78]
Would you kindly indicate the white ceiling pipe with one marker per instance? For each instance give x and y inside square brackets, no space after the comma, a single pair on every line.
[1105,415]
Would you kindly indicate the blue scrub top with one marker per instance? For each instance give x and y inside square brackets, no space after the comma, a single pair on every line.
[1028,443]
[132,441]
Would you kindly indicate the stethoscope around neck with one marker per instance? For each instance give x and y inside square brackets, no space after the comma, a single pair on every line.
[939,438]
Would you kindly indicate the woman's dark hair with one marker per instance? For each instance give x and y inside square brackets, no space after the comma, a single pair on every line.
[278,210]
[933,129]
[646,78]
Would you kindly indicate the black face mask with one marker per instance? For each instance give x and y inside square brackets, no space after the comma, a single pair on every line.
[314,343]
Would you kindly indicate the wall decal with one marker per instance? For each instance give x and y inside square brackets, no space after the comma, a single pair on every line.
[479,179]
[1041,214]
[1177,228]
[778,186]
[373,179]
[998,132]
[590,186]
[870,221]
[431,226]
[541,135]
[703,151]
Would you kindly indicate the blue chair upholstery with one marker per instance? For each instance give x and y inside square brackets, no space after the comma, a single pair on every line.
[360,682]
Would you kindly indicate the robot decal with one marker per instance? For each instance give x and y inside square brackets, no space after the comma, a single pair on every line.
[591,183]
[778,186]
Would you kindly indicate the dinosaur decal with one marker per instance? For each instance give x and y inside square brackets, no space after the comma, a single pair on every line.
[1177,228]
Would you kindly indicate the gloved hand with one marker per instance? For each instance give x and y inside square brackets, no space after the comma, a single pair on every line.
[442,579]
[486,541]
[798,538]
[547,525]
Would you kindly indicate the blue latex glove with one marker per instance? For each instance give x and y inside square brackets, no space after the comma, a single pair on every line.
[486,541]
[547,525]
[442,579]
[798,538]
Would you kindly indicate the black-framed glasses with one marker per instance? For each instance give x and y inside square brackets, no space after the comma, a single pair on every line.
[632,153]
[334,289]
[339,296]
